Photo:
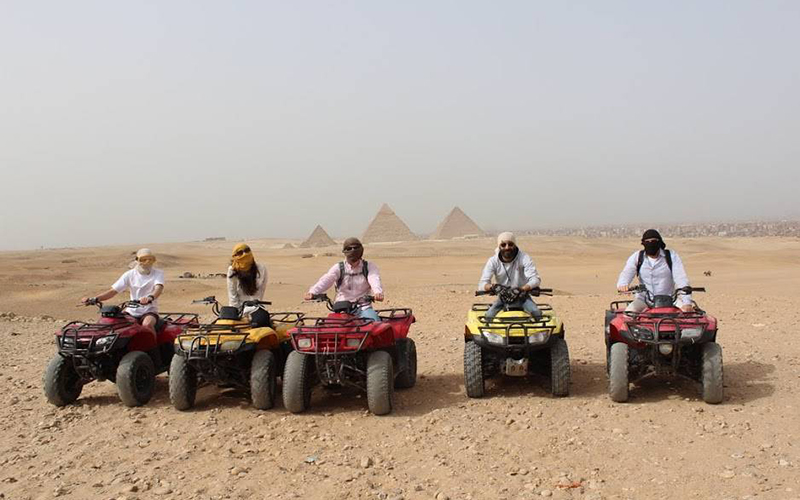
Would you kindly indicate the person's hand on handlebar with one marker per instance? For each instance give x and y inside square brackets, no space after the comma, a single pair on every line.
[623,288]
[378,297]
[687,308]
[308,296]
[488,287]
[146,300]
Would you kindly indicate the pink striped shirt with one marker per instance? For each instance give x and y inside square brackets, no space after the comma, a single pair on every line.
[354,286]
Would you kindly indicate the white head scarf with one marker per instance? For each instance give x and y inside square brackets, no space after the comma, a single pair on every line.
[506,236]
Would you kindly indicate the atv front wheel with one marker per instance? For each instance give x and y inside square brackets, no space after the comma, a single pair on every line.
[473,370]
[407,363]
[182,383]
[712,379]
[62,384]
[380,382]
[618,372]
[297,382]
[136,378]
[263,380]
[559,368]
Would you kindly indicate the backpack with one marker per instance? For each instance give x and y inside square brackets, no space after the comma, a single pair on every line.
[365,272]
[667,255]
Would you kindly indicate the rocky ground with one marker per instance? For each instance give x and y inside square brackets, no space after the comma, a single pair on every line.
[517,443]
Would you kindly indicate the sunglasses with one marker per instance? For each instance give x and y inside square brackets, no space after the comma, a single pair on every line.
[650,240]
[507,244]
[241,252]
[146,259]
[351,248]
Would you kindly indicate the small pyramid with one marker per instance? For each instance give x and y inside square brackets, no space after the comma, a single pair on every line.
[288,245]
[318,238]
[387,226]
[457,224]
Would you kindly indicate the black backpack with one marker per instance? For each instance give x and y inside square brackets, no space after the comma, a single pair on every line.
[365,271]
[667,255]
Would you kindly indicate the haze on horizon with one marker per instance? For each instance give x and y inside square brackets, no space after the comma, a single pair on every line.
[170,121]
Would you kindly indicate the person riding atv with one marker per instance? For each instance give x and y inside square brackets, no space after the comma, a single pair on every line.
[513,343]
[512,268]
[354,279]
[248,353]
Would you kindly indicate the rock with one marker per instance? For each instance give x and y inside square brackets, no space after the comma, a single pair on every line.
[441,496]
[783,463]
[162,490]
[546,493]
[366,462]
[727,474]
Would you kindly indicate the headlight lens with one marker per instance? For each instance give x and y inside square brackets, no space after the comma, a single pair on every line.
[230,345]
[494,338]
[304,343]
[691,333]
[104,341]
[642,332]
[665,349]
[537,338]
[352,342]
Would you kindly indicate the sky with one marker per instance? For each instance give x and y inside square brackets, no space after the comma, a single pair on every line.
[153,121]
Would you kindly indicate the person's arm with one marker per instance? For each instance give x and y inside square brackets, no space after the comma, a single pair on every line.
[325,282]
[157,290]
[628,273]
[531,274]
[486,276]
[261,286]
[680,277]
[374,280]
[233,289]
[110,293]
[119,286]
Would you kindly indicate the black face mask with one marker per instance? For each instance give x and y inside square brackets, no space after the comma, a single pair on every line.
[651,248]
[508,254]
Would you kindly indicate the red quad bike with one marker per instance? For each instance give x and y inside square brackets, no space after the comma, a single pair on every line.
[343,349]
[662,340]
[116,348]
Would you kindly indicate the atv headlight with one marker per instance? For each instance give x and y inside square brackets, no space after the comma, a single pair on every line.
[304,343]
[230,345]
[493,338]
[665,349]
[537,338]
[104,341]
[691,333]
[641,332]
[352,342]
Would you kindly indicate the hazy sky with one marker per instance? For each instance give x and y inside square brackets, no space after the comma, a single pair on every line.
[164,120]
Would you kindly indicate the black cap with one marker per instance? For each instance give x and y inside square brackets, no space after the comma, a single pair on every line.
[652,233]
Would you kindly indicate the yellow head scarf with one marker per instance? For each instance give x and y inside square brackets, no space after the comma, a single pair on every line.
[242,258]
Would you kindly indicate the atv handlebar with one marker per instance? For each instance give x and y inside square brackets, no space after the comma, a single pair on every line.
[497,289]
[207,300]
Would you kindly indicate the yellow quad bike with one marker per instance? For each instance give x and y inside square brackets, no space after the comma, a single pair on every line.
[248,353]
[514,344]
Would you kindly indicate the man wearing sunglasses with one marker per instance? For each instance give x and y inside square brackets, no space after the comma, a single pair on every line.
[511,267]
[659,269]
[354,279]
[145,284]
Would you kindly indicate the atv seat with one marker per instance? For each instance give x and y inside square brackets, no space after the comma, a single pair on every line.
[228,312]
[343,306]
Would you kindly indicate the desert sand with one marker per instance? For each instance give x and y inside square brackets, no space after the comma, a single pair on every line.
[517,443]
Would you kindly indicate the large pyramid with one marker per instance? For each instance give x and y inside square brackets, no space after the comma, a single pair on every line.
[387,226]
[318,238]
[456,225]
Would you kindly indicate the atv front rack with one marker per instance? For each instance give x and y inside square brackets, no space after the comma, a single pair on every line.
[665,328]
[485,307]
[79,338]
[396,313]
[330,335]
[180,318]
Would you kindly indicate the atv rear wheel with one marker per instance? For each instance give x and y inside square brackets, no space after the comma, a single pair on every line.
[712,378]
[407,363]
[297,382]
[182,383]
[263,380]
[559,368]
[62,384]
[618,372]
[473,370]
[136,378]
[380,382]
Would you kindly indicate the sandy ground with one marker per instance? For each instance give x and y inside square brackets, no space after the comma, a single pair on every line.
[517,443]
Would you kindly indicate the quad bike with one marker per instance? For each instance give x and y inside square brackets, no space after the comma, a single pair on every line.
[662,340]
[116,348]
[514,344]
[343,349]
[232,350]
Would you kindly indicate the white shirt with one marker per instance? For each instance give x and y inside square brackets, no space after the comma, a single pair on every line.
[520,271]
[140,286]
[656,276]
[235,293]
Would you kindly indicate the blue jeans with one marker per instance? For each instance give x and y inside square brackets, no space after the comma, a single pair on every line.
[527,304]
[368,313]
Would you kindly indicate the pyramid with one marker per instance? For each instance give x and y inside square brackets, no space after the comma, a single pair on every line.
[456,224]
[318,238]
[387,226]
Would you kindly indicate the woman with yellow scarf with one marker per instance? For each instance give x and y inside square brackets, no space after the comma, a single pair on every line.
[247,279]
